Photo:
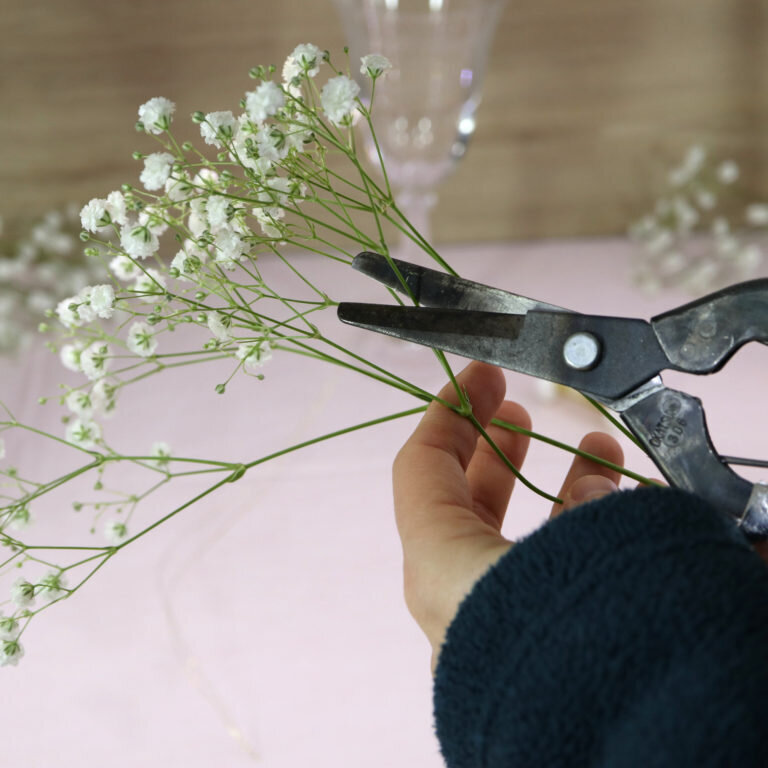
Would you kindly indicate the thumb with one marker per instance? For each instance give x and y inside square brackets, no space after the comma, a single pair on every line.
[588,488]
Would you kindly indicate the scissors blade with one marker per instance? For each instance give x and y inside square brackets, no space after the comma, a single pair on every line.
[431,288]
[530,343]
[480,335]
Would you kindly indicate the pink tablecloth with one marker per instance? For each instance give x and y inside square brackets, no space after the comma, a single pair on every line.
[266,624]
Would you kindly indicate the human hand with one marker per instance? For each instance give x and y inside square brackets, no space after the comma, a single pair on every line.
[452,491]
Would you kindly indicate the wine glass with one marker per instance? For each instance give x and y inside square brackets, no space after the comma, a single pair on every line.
[424,108]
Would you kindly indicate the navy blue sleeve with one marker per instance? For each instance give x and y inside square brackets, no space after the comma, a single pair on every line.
[629,632]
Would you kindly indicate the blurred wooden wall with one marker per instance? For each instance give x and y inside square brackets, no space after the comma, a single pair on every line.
[585,105]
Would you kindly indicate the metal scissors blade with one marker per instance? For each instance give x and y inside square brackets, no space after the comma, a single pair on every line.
[530,343]
[431,288]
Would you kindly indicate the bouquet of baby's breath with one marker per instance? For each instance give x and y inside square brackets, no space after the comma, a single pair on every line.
[41,262]
[701,234]
[280,177]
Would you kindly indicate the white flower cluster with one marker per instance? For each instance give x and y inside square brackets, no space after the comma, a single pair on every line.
[218,218]
[52,586]
[11,650]
[90,302]
[685,242]
[40,264]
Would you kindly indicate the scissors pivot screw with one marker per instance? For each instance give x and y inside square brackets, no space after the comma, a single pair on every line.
[581,351]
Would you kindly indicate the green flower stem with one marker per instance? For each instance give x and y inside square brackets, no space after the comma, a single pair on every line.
[304,246]
[406,387]
[45,434]
[64,548]
[367,184]
[578,452]
[410,231]
[338,433]
[382,165]
[174,512]
[164,366]
[465,408]
[240,469]
[202,471]
[515,471]
[616,423]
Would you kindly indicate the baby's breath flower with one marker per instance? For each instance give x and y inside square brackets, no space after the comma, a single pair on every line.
[254,355]
[185,264]
[297,138]
[265,101]
[95,360]
[149,284]
[153,219]
[749,258]
[21,518]
[79,402]
[216,211]
[115,531]
[10,652]
[229,248]
[103,395]
[706,199]
[217,326]
[139,241]
[196,221]
[727,172]
[304,58]
[178,187]
[76,310]
[374,65]
[116,207]
[95,216]
[268,223]
[70,356]
[9,627]
[124,267]
[271,144]
[338,99]
[757,214]
[157,169]
[207,178]
[141,339]
[246,149]
[217,126]
[102,299]
[83,432]
[690,167]
[22,592]
[162,452]
[156,114]
[52,586]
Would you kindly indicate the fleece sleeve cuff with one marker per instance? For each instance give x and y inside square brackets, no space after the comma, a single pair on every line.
[631,631]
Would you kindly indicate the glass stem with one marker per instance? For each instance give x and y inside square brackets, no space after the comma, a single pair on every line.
[416,205]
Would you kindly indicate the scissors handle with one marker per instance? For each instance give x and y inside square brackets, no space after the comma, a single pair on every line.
[672,428]
[702,336]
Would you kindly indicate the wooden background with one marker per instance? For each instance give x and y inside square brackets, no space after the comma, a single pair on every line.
[586,103]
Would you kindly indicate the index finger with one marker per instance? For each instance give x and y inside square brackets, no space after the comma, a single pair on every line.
[431,492]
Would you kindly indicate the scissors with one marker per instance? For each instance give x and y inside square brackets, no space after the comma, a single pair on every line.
[617,361]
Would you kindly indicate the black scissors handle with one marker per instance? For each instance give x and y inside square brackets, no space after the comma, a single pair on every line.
[672,427]
[702,336]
